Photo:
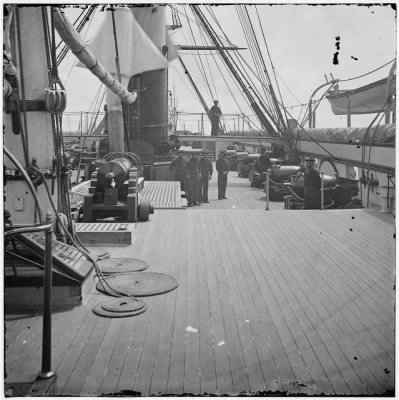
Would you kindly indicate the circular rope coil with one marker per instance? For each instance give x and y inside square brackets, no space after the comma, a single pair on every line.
[121,265]
[123,305]
[140,283]
[120,309]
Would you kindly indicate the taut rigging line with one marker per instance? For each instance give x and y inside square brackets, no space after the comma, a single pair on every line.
[261,116]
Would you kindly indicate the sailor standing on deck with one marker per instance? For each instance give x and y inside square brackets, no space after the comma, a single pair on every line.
[263,163]
[193,178]
[206,170]
[178,165]
[215,113]
[222,167]
[311,185]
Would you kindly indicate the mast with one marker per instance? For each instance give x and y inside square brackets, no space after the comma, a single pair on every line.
[28,53]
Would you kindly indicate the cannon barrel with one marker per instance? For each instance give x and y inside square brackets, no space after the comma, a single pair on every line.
[116,170]
[283,172]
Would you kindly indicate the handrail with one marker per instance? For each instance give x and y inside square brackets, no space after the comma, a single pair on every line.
[28,229]
[46,371]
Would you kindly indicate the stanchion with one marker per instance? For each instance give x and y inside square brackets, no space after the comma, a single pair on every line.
[267,189]
[322,191]
[46,371]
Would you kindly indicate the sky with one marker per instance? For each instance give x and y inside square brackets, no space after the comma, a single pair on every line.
[301,39]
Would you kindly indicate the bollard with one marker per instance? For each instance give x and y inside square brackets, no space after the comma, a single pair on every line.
[267,189]
[322,191]
[46,371]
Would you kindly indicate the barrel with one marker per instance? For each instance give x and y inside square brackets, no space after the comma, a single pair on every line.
[119,167]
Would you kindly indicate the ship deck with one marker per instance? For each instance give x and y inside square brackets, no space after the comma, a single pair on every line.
[269,302]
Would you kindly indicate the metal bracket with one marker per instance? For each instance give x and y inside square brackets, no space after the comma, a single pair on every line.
[27,105]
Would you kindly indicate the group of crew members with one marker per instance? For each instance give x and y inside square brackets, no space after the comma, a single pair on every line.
[195,174]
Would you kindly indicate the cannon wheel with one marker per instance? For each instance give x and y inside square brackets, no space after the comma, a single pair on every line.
[144,210]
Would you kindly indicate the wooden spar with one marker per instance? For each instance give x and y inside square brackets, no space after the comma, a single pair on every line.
[71,37]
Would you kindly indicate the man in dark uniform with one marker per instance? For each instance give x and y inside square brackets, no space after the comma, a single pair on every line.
[206,171]
[222,167]
[263,163]
[193,177]
[215,113]
[311,185]
[178,165]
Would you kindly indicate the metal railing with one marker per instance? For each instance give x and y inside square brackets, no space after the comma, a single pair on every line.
[46,371]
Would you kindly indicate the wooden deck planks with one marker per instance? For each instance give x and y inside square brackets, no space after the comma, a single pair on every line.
[77,345]
[160,317]
[256,308]
[319,297]
[240,298]
[159,380]
[268,317]
[350,294]
[306,312]
[229,301]
[268,276]
[212,260]
[299,344]
[206,337]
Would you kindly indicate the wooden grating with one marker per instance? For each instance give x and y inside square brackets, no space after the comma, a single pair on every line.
[163,194]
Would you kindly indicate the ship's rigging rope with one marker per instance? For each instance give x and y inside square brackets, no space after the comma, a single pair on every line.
[288,132]
[265,112]
[204,42]
[238,74]
[272,103]
[209,9]
[202,69]
[60,167]
[223,75]
[368,73]
[240,60]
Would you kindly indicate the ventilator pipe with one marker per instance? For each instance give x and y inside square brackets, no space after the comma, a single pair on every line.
[267,188]
[322,191]
[73,40]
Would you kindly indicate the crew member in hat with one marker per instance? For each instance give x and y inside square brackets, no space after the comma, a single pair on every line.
[215,113]
[263,163]
[206,170]
[193,178]
[178,166]
[222,167]
[311,185]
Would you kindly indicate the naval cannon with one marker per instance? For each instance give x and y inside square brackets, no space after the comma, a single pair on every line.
[279,175]
[115,190]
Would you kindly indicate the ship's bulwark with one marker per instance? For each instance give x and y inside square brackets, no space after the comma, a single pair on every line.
[269,302]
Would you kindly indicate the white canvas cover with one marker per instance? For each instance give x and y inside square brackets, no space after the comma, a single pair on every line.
[371,98]
[137,52]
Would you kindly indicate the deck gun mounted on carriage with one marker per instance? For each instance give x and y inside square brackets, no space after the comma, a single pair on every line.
[115,190]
